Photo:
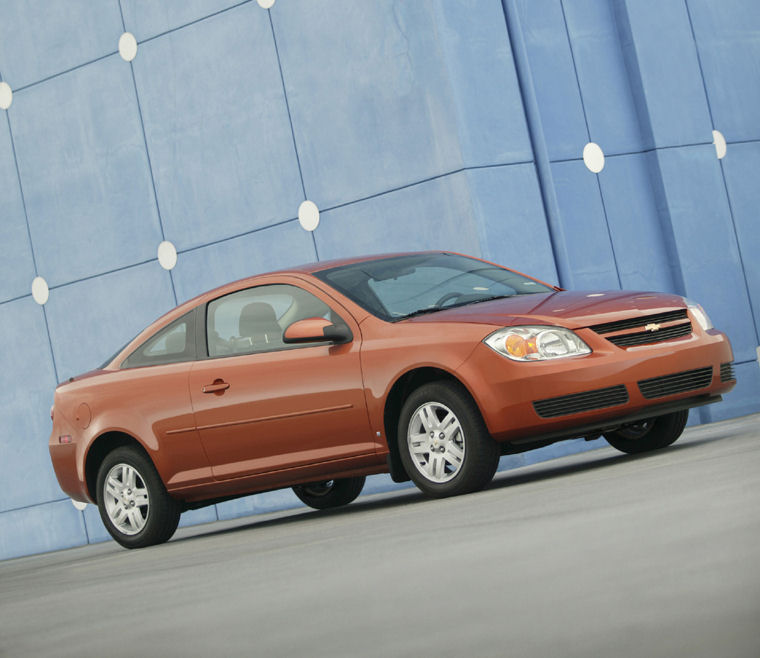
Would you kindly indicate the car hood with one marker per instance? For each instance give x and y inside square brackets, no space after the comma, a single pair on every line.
[573,310]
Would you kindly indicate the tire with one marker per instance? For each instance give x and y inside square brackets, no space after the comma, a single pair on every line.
[651,434]
[134,505]
[443,442]
[330,493]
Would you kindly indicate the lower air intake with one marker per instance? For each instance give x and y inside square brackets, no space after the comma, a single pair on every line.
[689,380]
[727,372]
[579,402]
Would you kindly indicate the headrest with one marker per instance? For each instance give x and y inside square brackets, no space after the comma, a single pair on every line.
[256,317]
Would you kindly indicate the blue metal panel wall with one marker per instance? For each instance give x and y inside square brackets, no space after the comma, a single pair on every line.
[77,139]
[437,124]
[217,128]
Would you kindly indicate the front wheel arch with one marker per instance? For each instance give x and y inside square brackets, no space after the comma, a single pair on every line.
[404,385]
[453,452]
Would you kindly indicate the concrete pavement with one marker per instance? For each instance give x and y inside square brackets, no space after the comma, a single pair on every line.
[596,554]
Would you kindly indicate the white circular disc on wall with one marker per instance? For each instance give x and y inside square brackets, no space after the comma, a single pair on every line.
[40,291]
[6,95]
[593,157]
[78,504]
[308,215]
[720,144]
[127,46]
[167,255]
[265,4]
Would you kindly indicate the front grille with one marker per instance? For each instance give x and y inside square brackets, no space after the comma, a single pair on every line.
[578,402]
[632,323]
[689,380]
[650,334]
[644,337]
[727,372]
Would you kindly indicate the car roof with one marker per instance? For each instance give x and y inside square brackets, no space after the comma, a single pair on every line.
[310,268]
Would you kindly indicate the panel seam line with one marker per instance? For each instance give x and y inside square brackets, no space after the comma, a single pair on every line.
[290,123]
[150,163]
[29,237]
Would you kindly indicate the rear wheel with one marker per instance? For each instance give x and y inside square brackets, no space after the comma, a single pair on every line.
[329,493]
[443,442]
[133,502]
[650,434]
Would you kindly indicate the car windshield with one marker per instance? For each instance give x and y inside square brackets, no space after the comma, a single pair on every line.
[403,286]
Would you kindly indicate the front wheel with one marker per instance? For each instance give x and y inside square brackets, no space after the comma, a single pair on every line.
[651,434]
[330,493]
[134,505]
[443,442]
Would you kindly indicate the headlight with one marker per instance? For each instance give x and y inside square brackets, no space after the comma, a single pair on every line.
[699,313]
[536,343]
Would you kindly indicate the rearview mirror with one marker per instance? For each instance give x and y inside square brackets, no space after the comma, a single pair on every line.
[316,330]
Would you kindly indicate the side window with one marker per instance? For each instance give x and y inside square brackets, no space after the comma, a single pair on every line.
[254,319]
[172,344]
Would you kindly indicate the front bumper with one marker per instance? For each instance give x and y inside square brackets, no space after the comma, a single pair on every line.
[506,391]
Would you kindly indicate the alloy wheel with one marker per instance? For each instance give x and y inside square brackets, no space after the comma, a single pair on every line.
[126,499]
[436,442]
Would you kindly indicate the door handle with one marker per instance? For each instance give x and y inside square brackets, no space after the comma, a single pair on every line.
[219,386]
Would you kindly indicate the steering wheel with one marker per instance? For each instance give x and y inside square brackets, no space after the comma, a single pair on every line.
[448,297]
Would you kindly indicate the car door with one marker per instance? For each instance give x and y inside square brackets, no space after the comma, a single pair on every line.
[261,405]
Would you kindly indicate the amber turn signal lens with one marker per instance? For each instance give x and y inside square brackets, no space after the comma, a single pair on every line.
[519,346]
[516,345]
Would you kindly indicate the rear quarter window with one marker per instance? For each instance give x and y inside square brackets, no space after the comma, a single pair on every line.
[174,343]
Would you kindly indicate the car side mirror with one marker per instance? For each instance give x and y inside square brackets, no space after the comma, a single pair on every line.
[317,330]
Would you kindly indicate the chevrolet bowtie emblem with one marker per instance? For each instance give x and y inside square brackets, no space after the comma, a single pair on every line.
[652,327]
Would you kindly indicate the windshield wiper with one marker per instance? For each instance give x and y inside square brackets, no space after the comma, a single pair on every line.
[420,311]
[434,309]
[477,301]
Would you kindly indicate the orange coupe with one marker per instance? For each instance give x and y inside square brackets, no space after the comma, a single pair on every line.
[428,366]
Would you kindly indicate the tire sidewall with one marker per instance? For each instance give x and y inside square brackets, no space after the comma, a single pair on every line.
[481,454]
[343,491]
[162,510]
[664,431]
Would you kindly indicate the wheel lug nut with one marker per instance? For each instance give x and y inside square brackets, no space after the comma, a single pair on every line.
[441,436]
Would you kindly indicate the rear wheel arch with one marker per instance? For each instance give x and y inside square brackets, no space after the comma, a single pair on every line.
[99,449]
[394,401]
